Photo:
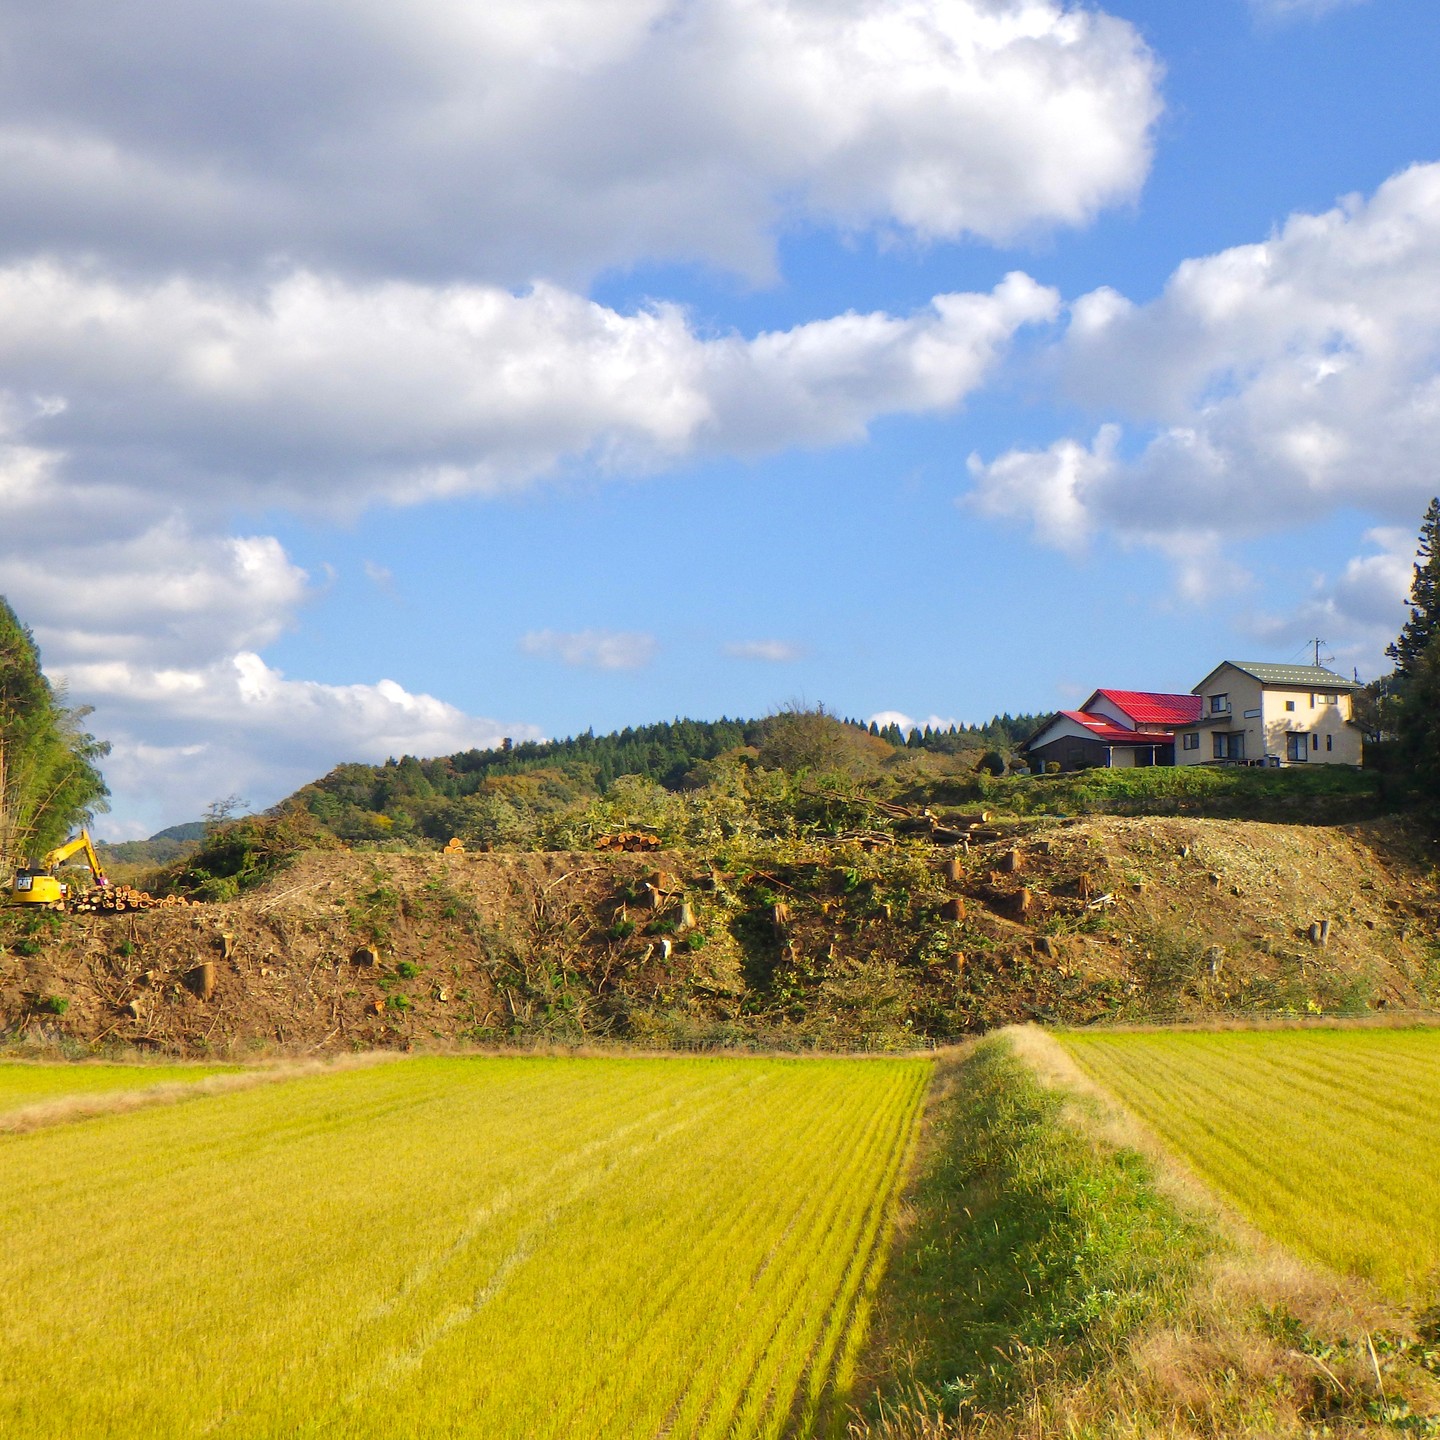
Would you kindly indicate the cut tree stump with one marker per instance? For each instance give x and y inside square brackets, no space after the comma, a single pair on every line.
[200,979]
[953,908]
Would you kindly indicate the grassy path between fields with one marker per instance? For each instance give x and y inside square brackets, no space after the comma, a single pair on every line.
[1052,1280]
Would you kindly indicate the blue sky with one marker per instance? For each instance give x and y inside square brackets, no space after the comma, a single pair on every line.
[386,379]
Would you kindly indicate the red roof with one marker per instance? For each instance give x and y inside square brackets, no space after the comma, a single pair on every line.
[1145,708]
[1102,729]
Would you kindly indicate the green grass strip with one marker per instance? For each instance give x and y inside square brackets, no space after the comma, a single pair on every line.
[1034,1252]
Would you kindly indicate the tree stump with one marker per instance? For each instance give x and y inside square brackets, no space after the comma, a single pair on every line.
[365,955]
[1010,862]
[953,871]
[953,909]
[200,979]
[1023,903]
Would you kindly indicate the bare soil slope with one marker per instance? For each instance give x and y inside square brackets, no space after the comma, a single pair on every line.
[1058,920]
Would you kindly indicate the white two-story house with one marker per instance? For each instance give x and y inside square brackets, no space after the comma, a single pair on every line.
[1275,714]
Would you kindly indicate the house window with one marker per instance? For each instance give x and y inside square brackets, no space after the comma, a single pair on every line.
[1329,742]
[1219,704]
[1314,742]
[1289,704]
[1229,747]
[1326,699]
[1190,741]
[1297,746]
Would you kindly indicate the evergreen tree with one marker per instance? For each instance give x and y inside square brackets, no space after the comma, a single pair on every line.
[1420,728]
[1424,622]
[49,775]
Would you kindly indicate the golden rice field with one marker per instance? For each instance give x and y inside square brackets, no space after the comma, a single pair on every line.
[1328,1140]
[456,1247]
[24,1084]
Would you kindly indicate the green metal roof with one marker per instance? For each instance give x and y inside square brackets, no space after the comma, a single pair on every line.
[1304,677]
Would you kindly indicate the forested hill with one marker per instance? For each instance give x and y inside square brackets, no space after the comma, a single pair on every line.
[453,793]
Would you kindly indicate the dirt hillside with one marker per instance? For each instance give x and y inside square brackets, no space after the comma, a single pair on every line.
[1075,921]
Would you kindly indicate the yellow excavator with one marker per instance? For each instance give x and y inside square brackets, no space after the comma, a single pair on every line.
[38,885]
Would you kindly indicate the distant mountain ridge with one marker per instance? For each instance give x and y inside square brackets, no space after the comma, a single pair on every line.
[173,843]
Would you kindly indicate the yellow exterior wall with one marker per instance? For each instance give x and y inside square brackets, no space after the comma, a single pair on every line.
[1260,713]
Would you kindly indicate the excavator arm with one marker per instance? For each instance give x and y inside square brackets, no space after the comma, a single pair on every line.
[80,845]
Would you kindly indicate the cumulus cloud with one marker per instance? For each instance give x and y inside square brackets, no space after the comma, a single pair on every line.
[135,417]
[524,137]
[775,652]
[885,718]
[592,649]
[158,630]
[316,393]
[183,736]
[165,596]
[1267,386]
[1357,612]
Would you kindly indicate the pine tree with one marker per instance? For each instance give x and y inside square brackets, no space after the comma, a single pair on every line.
[1424,622]
[1420,729]
[49,776]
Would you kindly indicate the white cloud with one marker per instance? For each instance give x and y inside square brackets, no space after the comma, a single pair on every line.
[1358,612]
[1268,386]
[260,734]
[380,576]
[135,417]
[885,718]
[158,631]
[524,137]
[164,596]
[776,652]
[591,649]
[317,393]
[1299,9]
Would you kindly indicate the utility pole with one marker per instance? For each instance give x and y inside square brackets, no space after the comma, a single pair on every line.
[1317,643]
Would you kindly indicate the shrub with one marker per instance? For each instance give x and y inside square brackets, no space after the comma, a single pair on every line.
[407,969]
[52,1005]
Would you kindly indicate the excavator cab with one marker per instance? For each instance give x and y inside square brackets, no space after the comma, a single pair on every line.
[32,887]
[37,885]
